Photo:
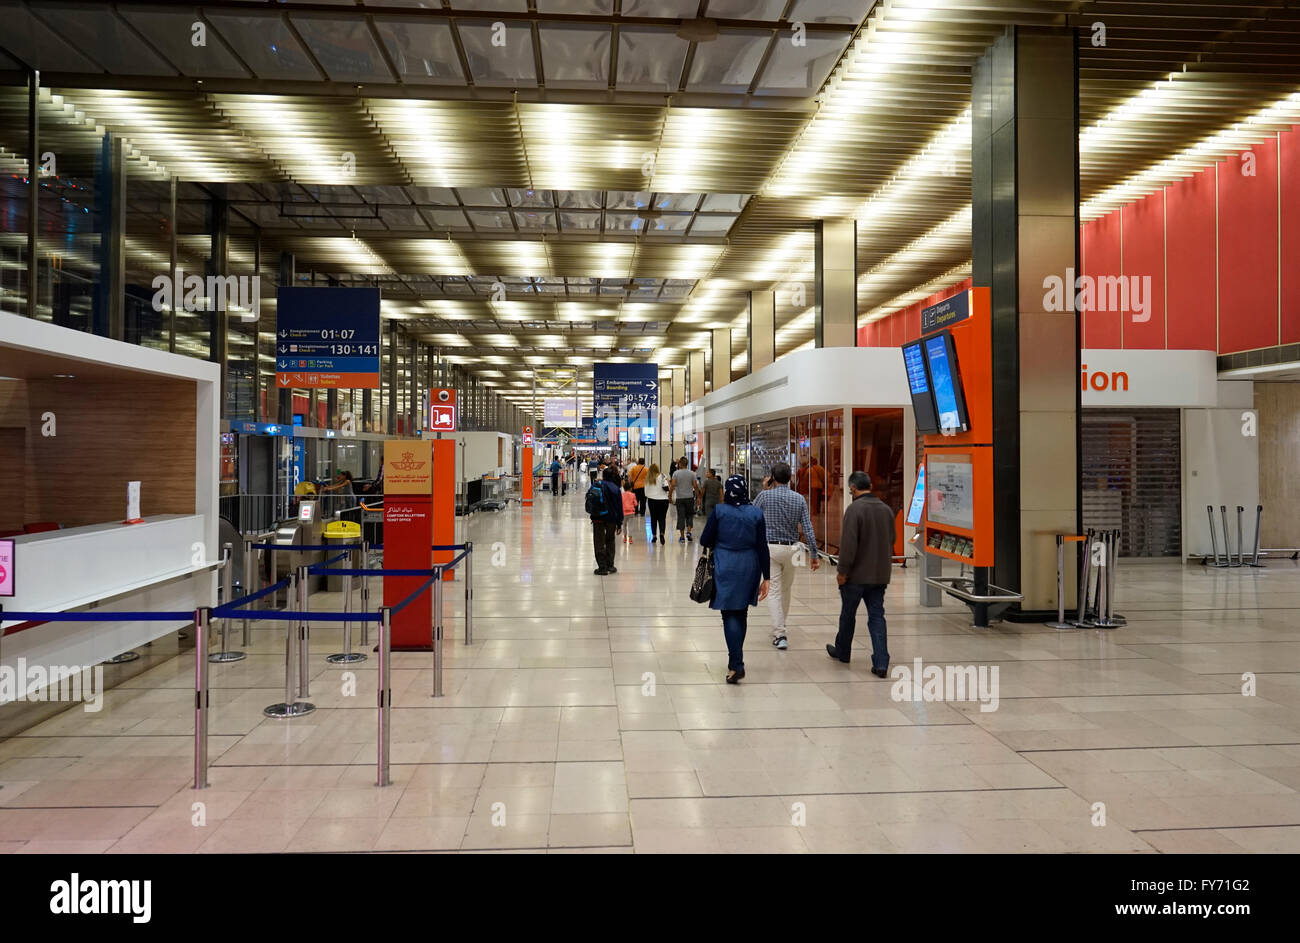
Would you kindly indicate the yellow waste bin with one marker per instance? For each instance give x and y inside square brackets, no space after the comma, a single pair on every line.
[344,534]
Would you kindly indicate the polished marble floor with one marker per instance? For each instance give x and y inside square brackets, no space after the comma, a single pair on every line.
[590,714]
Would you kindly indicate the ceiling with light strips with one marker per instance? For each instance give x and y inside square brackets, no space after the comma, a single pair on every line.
[561,182]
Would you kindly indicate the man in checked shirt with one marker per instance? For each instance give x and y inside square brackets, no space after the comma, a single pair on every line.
[785,512]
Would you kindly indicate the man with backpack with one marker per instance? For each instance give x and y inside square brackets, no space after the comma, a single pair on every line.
[604,505]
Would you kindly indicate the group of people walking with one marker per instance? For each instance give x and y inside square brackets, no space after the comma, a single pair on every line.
[756,546]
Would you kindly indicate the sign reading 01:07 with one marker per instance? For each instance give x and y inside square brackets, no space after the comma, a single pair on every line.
[327,338]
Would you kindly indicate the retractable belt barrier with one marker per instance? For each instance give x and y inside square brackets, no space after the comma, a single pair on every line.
[1094,610]
[296,641]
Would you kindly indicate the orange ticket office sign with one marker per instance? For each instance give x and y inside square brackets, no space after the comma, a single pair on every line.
[408,539]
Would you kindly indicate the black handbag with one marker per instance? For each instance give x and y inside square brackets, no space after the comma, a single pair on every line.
[702,587]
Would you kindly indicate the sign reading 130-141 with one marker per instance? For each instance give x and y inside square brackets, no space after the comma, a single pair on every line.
[327,338]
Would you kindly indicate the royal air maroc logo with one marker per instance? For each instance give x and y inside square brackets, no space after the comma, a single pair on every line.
[406,464]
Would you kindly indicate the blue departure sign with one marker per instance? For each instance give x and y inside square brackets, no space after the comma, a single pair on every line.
[327,338]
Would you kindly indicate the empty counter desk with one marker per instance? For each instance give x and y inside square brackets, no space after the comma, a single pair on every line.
[344,534]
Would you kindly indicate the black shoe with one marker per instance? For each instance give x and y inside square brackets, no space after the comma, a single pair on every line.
[612,569]
[599,572]
[879,672]
[830,650]
[734,676]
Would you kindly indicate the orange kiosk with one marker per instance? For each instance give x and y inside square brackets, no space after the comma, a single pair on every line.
[950,375]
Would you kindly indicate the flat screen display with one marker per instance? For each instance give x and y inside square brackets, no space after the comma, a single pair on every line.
[918,498]
[945,381]
[647,435]
[306,511]
[918,381]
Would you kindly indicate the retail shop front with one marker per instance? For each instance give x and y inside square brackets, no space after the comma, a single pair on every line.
[827,412]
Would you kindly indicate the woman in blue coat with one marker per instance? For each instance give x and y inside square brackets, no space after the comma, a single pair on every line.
[737,536]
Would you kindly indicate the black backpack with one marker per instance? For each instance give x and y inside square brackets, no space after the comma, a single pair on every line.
[597,500]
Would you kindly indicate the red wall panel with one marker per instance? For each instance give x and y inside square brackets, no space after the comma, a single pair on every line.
[1144,269]
[1289,169]
[1101,257]
[1248,251]
[1189,229]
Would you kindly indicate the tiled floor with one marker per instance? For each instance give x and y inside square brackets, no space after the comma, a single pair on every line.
[590,714]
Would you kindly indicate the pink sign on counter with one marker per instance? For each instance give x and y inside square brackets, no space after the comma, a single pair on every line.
[7,568]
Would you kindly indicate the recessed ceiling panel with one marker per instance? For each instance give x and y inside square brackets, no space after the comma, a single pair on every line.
[499,54]
[171,32]
[848,12]
[38,46]
[745,9]
[649,60]
[344,48]
[266,44]
[727,64]
[103,37]
[575,56]
[422,52]
[800,70]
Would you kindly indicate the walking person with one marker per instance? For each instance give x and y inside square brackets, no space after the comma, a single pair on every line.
[656,496]
[736,535]
[637,476]
[866,561]
[604,505]
[786,513]
[684,490]
[555,477]
[710,492]
[629,510]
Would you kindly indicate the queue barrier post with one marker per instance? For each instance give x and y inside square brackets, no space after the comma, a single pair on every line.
[1085,580]
[365,591]
[469,593]
[1241,540]
[1061,541]
[291,707]
[304,632]
[1227,541]
[250,569]
[201,619]
[1259,514]
[385,693]
[1106,581]
[227,596]
[437,631]
[348,656]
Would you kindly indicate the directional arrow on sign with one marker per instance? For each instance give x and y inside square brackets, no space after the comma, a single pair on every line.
[284,333]
[284,381]
[282,350]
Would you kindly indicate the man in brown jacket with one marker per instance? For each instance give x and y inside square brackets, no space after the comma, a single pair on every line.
[866,559]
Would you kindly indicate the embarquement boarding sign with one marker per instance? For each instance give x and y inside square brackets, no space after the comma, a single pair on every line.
[327,338]
[625,395]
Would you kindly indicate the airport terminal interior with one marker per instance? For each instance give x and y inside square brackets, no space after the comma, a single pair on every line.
[321,324]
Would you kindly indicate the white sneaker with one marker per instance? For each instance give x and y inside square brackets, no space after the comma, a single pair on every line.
[780,642]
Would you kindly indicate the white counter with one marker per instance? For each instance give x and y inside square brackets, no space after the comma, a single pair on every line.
[159,565]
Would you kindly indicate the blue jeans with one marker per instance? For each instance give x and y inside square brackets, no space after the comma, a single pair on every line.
[734,624]
[873,594]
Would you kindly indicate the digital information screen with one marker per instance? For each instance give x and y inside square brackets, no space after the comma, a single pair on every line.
[306,511]
[951,492]
[949,400]
[918,381]
[917,506]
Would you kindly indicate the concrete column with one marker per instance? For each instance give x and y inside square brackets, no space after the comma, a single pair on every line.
[33,188]
[720,374]
[695,375]
[109,317]
[1025,226]
[836,287]
[762,329]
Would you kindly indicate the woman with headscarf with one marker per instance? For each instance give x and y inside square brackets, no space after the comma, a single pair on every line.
[737,536]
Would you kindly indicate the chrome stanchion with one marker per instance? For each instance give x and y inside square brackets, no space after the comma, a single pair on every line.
[1085,578]
[437,631]
[227,596]
[291,707]
[469,593]
[1060,622]
[1102,568]
[1259,514]
[201,619]
[1106,582]
[385,692]
[348,656]
[304,633]
[1241,538]
[1214,541]
[365,591]
[250,577]
[1227,539]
